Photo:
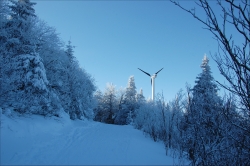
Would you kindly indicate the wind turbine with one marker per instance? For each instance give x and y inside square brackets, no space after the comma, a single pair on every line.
[152,81]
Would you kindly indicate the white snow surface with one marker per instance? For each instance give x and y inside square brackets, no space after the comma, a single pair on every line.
[38,140]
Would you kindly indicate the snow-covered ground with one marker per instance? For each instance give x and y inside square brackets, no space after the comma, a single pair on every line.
[33,140]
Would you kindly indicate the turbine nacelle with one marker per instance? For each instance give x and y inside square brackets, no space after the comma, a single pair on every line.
[154,76]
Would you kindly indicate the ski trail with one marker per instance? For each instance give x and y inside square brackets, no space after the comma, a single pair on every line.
[49,142]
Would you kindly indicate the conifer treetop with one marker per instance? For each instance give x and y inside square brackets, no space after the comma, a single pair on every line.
[204,65]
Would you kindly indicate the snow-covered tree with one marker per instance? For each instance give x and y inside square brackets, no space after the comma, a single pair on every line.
[160,120]
[164,114]
[26,86]
[36,74]
[129,104]
[235,133]
[140,99]
[203,118]
[107,105]
[3,38]
[229,22]
[98,96]
[71,83]
[70,80]
[79,88]
[50,48]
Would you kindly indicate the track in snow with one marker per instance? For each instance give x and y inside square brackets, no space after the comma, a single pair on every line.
[54,141]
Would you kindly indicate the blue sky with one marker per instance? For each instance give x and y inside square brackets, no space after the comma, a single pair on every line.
[114,38]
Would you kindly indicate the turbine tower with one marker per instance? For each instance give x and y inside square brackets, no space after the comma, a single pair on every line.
[152,81]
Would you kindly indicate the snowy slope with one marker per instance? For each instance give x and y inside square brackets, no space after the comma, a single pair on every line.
[49,141]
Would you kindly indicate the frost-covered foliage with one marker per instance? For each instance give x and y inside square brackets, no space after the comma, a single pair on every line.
[147,119]
[202,118]
[23,73]
[37,74]
[160,120]
[107,107]
[199,125]
[79,88]
[128,104]
[209,135]
[202,127]
[118,106]
[235,148]
[140,99]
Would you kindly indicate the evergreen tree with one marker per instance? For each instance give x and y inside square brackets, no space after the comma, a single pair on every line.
[4,12]
[203,119]
[107,105]
[140,99]
[26,85]
[72,104]
[50,48]
[79,88]
[98,107]
[36,74]
[129,104]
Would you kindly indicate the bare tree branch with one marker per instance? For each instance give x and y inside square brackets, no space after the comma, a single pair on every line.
[232,60]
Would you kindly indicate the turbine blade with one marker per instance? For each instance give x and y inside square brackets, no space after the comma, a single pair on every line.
[145,72]
[151,81]
[158,71]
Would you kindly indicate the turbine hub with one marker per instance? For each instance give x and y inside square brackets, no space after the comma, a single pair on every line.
[154,76]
